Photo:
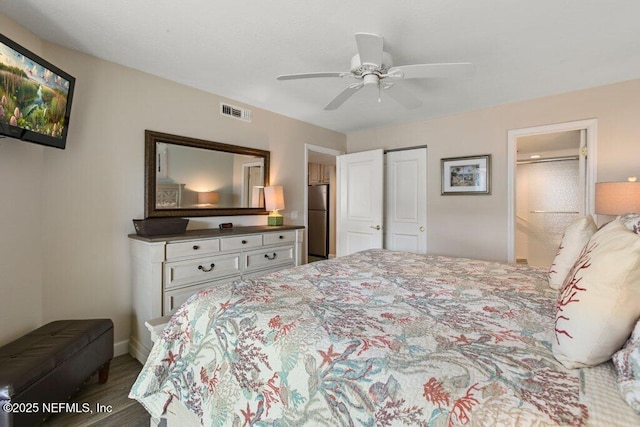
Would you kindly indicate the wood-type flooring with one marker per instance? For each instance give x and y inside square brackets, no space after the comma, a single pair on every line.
[115,408]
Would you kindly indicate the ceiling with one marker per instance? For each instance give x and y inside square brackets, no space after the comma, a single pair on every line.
[546,145]
[521,49]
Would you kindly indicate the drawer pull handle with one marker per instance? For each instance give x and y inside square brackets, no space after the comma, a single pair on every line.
[281,237]
[196,247]
[244,242]
[272,257]
[205,269]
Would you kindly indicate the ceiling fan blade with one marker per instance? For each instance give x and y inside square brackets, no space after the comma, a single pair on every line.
[343,96]
[425,71]
[403,97]
[369,49]
[313,75]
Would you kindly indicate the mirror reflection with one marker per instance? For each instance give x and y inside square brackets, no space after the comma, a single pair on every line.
[193,178]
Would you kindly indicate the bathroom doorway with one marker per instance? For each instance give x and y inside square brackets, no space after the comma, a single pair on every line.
[549,192]
[552,178]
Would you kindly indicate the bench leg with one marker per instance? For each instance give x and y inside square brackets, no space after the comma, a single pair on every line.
[103,373]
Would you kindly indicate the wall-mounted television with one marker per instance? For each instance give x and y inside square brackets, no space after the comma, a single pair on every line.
[35,97]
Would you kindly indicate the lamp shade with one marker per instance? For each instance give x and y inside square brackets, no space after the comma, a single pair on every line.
[207,198]
[617,198]
[274,197]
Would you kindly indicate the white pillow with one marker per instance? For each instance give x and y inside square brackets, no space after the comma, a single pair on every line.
[599,303]
[574,239]
[631,221]
[627,364]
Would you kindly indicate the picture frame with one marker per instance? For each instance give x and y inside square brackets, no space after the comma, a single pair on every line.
[466,175]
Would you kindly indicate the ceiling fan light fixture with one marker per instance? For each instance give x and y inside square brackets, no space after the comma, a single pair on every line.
[371,79]
[359,69]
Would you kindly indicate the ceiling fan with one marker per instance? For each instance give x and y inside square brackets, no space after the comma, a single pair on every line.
[374,67]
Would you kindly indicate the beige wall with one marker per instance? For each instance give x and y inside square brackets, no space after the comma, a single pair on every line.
[21,254]
[476,226]
[66,214]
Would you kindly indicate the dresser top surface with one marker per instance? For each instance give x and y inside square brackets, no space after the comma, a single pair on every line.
[214,232]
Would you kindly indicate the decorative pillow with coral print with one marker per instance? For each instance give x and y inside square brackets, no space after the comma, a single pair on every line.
[597,307]
[627,363]
[631,221]
[574,239]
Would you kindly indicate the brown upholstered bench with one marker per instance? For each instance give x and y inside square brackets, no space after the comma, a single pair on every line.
[49,365]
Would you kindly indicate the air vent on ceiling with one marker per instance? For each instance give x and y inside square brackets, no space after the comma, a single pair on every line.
[235,112]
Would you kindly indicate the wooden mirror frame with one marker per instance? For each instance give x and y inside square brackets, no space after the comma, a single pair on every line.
[150,156]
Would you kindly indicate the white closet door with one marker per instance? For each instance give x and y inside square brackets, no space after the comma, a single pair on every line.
[406,200]
[360,201]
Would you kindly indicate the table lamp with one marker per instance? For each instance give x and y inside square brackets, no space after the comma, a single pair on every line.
[274,201]
[618,198]
[207,198]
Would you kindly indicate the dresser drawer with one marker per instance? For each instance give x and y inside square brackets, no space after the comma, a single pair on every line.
[242,242]
[275,238]
[181,273]
[260,273]
[176,250]
[267,258]
[176,297]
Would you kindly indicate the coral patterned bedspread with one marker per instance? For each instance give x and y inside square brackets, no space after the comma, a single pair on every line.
[378,338]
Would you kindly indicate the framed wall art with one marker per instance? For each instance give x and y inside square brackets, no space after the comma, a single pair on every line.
[466,175]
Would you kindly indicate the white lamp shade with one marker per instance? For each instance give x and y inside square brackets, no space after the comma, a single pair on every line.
[274,197]
[207,198]
[617,198]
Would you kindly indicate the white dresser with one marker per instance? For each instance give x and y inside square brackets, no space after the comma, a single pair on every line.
[166,271]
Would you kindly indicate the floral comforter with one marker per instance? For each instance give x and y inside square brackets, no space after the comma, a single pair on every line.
[378,338]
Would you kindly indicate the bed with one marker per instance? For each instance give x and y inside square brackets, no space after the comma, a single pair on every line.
[377,338]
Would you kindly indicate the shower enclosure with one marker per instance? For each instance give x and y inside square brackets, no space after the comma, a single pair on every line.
[547,202]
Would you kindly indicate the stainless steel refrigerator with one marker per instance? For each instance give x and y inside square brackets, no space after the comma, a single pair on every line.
[319,220]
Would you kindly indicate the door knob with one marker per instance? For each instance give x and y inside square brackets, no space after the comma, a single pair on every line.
[377,227]
[422,229]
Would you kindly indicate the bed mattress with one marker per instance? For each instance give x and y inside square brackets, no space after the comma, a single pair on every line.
[375,338]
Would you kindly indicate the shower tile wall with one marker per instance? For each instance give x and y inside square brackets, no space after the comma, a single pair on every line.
[547,196]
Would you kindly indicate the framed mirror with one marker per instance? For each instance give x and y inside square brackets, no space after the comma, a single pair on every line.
[187,177]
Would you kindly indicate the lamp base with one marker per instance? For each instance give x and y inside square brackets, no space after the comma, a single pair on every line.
[275,220]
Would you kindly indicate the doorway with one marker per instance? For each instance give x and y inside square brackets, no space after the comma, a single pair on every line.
[551,177]
[319,202]
[549,193]
[253,185]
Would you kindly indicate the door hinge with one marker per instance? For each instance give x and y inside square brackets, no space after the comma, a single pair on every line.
[584,151]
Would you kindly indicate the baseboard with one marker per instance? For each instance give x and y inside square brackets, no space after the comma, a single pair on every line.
[138,350]
[120,348]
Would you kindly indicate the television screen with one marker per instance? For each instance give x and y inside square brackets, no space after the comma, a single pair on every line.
[35,97]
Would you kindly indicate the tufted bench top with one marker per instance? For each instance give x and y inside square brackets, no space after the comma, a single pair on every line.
[30,357]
